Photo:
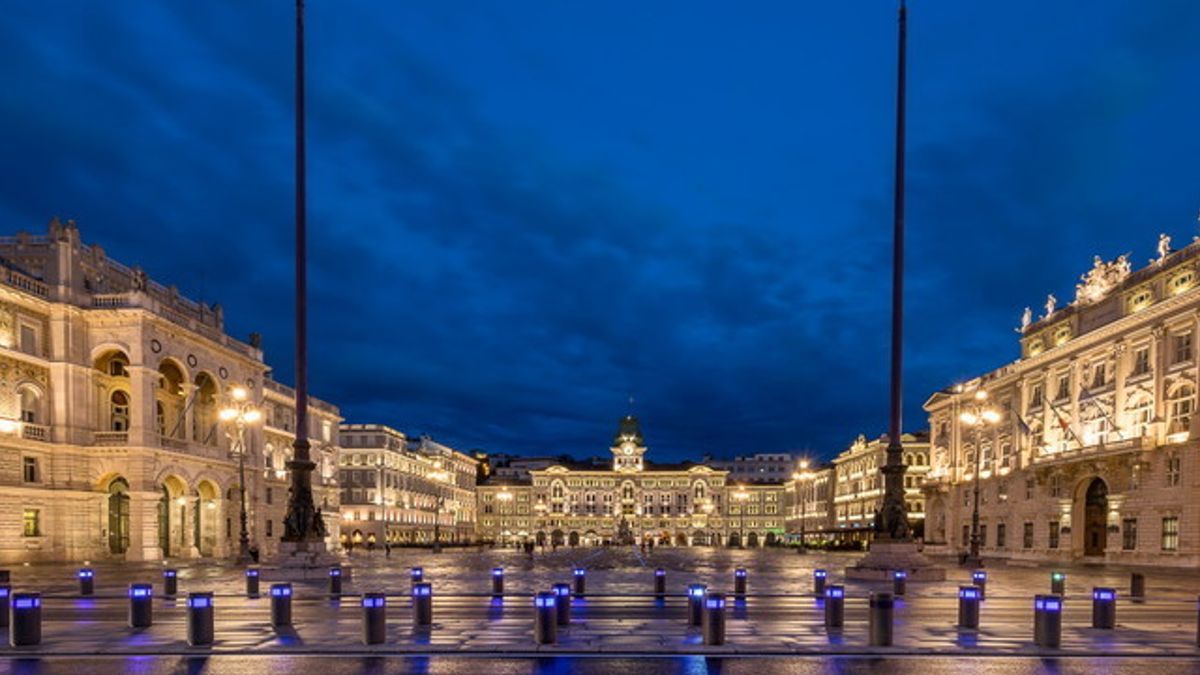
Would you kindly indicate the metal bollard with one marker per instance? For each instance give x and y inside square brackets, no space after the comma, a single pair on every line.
[835,603]
[660,584]
[1137,586]
[141,605]
[968,607]
[1104,608]
[335,580]
[497,582]
[1058,583]
[422,602]
[562,604]
[696,593]
[979,578]
[899,582]
[580,581]
[5,577]
[26,628]
[714,619]
[1198,622]
[819,582]
[200,619]
[1047,620]
[87,580]
[281,605]
[374,618]
[170,583]
[880,619]
[739,583]
[417,575]
[545,619]
[252,582]
[5,593]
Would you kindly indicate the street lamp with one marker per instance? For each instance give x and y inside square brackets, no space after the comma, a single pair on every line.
[238,412]
[801,479]
[977,415]
[741,496]
[438,476]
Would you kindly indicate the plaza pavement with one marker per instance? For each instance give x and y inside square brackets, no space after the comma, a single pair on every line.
[618,615]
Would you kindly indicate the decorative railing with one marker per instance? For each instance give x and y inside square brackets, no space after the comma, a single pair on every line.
[111,301]
[110,438]
[35,432]
[25,282]
[172,442]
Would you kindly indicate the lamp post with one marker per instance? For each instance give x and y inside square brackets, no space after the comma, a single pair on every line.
[741,496]
[238,412]
[977,415]
[801,479]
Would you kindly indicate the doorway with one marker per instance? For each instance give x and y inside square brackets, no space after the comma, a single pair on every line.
[1095,519]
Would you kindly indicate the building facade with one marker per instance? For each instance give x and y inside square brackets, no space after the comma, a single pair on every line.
[809,502]
[403,491]
[1090,450]
[858,489]
[762,467]
[630,501]
[110,389]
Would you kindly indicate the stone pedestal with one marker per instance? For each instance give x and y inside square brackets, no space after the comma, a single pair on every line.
[301,560]
[886,556]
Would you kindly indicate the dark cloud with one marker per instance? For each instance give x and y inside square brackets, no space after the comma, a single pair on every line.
[520,219]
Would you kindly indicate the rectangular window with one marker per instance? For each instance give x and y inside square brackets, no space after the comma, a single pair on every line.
[270,496]
[1172,469]
[1098,373]
[31,523]
[1035,396]
[983,535]
[1181,348]
[966,535]
[1064,388]
[1001,535]
[29,341]
[1170,533]
[1141,361]
[1129,534]
[1053,539]
[30,469]
[1027,536]
[270,527]
[1029,488]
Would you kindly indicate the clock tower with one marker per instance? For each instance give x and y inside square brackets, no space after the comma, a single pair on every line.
[629,447]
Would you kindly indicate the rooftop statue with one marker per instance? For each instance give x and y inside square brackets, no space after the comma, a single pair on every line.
[1164,249]
[1101,279]
[1026,319]
[1051,301]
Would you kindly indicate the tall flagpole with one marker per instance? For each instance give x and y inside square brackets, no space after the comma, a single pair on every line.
[893,521]
[303,523]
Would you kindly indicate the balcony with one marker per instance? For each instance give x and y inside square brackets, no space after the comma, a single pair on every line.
[35,432]
[172,442]
[1101,449]
[110,438]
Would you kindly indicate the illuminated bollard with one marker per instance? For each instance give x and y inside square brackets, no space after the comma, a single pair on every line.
[979,578]
[696,593]
[170,583]
[497,582]
[1104,608]
[580,581]
[1058,583]
[739,584]
[87,581]
[562,604]
[880,619]
[835,606]
[660,584]
[417,575]
[714,619]
[281,605]
[819,582]
[26,628]
[422,603]
[968,607]
[1137,586]
[899,582]
[335,580]
[374,618]
[5,598]
[1047,621]
[545,618]
[252,582]
[200,619]
[141,606]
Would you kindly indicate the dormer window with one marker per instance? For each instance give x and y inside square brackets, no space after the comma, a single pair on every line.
[1140,299]
[1182,281]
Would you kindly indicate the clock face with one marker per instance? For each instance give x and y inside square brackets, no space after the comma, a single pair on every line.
[629,449]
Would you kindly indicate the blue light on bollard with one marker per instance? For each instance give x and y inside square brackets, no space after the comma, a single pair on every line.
[497,582]
[545,620]
[714,603]
[252,582]
[199,601]
[281,605]
[374,602]
[968,593]
[417,574]
[200,619]
[27,603]
[422,599]
[170,582]
[5,592]
[26,629]
[739,583]
[835,592]
[497,571]
[85,573]
[979,578]
[544,600]
[1104,608]
[374,618]
[335,581]
[139,591]
[87,580]
[739,573]
[819,582]
[562,598]
[660,584]
[899,582]
[696,593]
[835,599]
[422,591]
[1048,604]
[1104,594]
[580,581]
[281,591]
[141,610]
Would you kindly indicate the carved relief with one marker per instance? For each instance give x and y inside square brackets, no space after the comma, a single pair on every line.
[1101,279]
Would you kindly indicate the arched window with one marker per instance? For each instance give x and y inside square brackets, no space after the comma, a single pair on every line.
[118,415]
[31,405]
[118,367]
[1180,404]
[160,418]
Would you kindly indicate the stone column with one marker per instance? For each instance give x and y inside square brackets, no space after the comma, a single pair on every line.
[1112,541]
[143,527]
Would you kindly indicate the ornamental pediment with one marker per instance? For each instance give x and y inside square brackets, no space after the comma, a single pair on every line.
[1099,281]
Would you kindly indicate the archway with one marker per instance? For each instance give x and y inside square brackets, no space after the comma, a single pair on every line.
[556,538]
[118,516]
[573,539]
[541,538]
[206,517]
[1095,518]
[204,410]
[752,539]
[735,539]
[681,539]
[771,539]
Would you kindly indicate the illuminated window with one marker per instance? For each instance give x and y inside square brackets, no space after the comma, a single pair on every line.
[1182,282]
[1035,396]
[1180,405]
[1027,536]
[1064,388]
[1141,361]
[1129,534]
[31,523]
[1173,469]
[1170,533]
[1181,348]
[1052,541]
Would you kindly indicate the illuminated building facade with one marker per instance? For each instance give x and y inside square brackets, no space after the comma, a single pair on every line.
[1083,448]
[858,490]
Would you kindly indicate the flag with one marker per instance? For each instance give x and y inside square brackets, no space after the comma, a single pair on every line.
[1023,425]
